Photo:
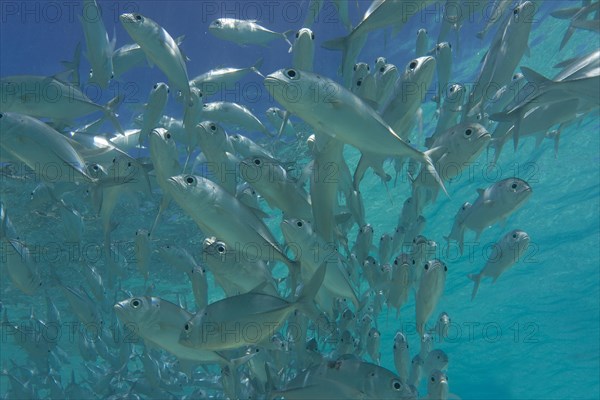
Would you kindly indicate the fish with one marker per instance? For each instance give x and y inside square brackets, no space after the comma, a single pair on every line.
[217,149]
[505,253]
[303,50]
[246,147]
[164,156]
[400,284]
[495,203]
[461,145]
[160,49]
[381,14]
[442,326]
[436,359]
[408,95]
[422,43]
[99,48]
[142,252]
[158,322]
[274,184]
[235,272]
[220,214]
[244,32]
[496,15]
[20,266]
[154,109]
[277,118]
[341,115]
[507,48]
[312,251]
[49,154]
[224,324]
[437,386]
[346,377]
[235,115]
[215,80]
[401,356]
[48,97]
[431,287]
[443,58]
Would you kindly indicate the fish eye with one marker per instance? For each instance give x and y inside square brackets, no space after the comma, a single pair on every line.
[155,85]
[217,23]
[95,167]
[186,327]
[168,135]
[257,350]
[479,116]
[514,236]
[396,262]
[312,36]
[451,89]
[468,132]
[354,67]
[257,161]
[169,91]
[291,73]
[516,11]
[450,45]
[514,186]
[381,69]
[112,76]
[368,69]
[135,303]
[297,34]
[221,249]
[190,180]
[299,224]
[412,65]
[445,269]
[426,267]
[396,384]
[432,379]
[358,82]
[213,127]
[138,17]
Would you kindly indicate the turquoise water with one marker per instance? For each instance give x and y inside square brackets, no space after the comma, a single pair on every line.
[534,334]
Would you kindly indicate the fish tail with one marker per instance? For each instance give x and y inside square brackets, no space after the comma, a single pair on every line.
[306,300]
[257,65]
[476,278]
[285,37]
[110,111]
[431,169]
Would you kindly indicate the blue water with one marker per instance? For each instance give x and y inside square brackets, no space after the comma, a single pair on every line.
[534,334]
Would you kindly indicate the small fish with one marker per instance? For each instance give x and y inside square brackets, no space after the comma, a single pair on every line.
[143,251]
[99,48]
[160,49]
[437,386]
[234,114]
[154,109]
[422,43]
[495,203]
[430,290]
[401,356]
[244,32]
[303,50]
[505,254]
[20,266]
[218,79]
[206,330]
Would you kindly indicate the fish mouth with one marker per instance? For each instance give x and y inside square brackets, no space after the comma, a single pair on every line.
[126,18]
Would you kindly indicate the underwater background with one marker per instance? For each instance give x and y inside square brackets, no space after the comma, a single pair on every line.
[533,334]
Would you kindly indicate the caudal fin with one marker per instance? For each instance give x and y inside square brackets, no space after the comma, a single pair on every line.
[306,301]
[431,169]
[110,112]
[476,278]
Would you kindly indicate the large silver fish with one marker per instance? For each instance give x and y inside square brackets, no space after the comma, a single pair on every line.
[332,109]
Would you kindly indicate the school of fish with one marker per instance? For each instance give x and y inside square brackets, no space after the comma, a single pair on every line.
[232,253]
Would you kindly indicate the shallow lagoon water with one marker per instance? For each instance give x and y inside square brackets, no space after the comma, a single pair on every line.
[534,334]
